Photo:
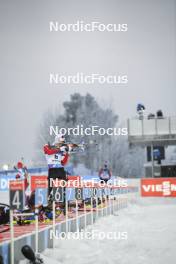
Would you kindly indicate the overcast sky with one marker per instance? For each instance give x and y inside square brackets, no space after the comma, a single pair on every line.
[29,52]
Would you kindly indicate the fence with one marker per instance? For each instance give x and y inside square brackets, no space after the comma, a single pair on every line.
[118,198]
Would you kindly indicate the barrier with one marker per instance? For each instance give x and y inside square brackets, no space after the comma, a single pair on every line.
[117,200]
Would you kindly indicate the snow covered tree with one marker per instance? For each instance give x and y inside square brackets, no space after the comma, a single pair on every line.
[85,111]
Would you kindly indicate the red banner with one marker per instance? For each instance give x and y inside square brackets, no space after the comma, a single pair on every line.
[16,185]
[40,181]
[160,187]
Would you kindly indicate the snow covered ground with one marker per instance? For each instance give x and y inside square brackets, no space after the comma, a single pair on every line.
[151,237]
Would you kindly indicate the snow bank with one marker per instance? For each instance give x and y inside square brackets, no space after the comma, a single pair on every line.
[151,235]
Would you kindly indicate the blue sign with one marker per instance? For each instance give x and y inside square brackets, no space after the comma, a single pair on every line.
[41,196]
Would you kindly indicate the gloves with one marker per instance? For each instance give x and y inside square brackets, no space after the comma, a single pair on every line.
[64,149]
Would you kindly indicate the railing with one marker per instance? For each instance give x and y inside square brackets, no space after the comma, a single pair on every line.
[155,126]
[146,131]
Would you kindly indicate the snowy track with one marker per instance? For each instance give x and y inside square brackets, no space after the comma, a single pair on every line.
[151,231]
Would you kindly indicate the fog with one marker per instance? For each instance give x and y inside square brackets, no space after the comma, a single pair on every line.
[30,52]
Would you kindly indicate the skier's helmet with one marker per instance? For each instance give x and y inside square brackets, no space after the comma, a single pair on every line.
[59,139]
[19,165]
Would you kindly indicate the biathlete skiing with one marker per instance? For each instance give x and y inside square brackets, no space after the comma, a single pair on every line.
[105,173]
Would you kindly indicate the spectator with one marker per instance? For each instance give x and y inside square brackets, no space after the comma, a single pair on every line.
[159,114]
[151,116]
[140,111]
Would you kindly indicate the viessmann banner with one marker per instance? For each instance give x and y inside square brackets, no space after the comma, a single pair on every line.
[160,187]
